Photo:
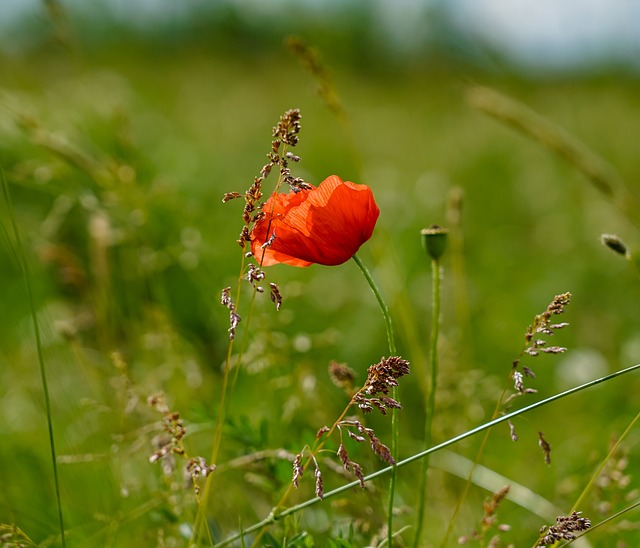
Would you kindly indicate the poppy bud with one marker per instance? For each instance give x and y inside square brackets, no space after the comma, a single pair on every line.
[434,240]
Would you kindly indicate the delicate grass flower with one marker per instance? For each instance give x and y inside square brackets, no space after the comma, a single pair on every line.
[323,225]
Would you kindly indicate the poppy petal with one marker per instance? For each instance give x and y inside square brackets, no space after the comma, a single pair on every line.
[325,225]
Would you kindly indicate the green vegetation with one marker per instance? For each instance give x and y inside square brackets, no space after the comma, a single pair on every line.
[116,161]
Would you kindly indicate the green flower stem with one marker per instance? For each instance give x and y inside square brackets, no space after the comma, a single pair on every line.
[43,371]
[274,517]
[431,402]
[394,393]
[383,305]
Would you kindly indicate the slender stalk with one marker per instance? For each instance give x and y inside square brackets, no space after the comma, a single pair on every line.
[317,447]
[431,402]
[394,393]
[274,517]
[226,382]
[467,484]
[43,371]
[201,521]
[320,443]
[601,174]
[383,305]
[222,406]
[483,443]
[596,474]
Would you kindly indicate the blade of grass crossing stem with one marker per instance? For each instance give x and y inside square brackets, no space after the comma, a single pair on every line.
[273,518]
[22,257]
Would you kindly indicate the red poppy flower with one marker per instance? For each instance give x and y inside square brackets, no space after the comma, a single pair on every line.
[325,225]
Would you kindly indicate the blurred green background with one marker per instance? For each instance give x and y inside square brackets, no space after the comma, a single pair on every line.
[117,142]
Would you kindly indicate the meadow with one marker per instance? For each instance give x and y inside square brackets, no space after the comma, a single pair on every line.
[115,240]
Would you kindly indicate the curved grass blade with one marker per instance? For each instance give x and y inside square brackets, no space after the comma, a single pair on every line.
[273,518]
[22,258]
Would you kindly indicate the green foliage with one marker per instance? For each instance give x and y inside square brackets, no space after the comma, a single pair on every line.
[117,167]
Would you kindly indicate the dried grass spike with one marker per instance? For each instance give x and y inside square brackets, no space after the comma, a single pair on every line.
[381,377]
[319,485]
[230,196]
[357,470]
[380,448]
[355,437]
[344,458]
[298,469]
[512,431]
[342,375]
[565,528]
[546,447]
[274,293]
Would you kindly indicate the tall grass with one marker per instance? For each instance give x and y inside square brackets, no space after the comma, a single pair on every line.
[146,153]
[24,266]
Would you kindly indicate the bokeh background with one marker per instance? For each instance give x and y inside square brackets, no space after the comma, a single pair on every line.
[122,125]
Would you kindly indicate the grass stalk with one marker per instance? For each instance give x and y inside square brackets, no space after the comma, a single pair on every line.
[597,472]
[22,258]
[601,174]
[275,517]
[319,444]
[467,485]
[383,306]
[317,447]
[228,385]
[431,401]
[499,408]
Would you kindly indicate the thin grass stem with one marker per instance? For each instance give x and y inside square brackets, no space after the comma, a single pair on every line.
[383,306]
[228,385]
[601,174]
[596,474]
[467,484]
[431,401]
[275,517]
[217,431]
[41,363]
[483,443]
[317,447]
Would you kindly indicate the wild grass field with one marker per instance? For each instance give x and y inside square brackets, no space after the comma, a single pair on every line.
[114,165]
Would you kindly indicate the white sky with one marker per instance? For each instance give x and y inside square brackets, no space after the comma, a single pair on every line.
[544,33]
[556,32]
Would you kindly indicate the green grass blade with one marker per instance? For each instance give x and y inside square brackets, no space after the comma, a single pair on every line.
[38,340]
[601,174]
[277,517]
